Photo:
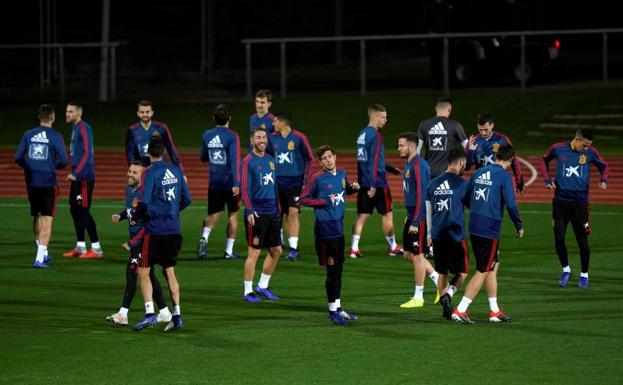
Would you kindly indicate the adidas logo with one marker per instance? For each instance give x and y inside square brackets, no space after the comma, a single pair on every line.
[361,139]
[169,178]
[443,189]
[40,138]
[215,142]
[484,178]
[438,129]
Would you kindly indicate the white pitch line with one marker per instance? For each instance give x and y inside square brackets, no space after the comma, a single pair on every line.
[532,170]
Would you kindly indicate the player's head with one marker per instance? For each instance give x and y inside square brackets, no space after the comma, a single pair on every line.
[326,155]
[145,111]
[583,139]
[156,146]
[46,113]
[259,140]
[263,101]
[221,115]
[73,112]
[504,156]
[134,173]
[443,106]
[282,120]
[377,114]
[485,123]
[457,160]
[407,144]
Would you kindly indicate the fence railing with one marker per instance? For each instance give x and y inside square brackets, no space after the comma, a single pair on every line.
[283,42]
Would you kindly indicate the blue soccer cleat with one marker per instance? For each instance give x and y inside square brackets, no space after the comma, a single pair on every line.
[226,255]
[40,265]
[47,258]
[346,315]
[251,297]
[564,279]
[202,249]
[582,283]
[148,320]
[335,317]
[293,255]
[175,324]
[266,293]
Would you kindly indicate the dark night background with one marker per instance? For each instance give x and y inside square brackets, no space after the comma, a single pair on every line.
[163,38]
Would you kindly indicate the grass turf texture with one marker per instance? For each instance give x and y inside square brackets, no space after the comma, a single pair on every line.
[54,329]
[339,117]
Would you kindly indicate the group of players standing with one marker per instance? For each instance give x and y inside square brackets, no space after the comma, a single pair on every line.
[275,179]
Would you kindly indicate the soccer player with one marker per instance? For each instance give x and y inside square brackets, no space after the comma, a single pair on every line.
[570,203]
[371,176]
[261,216]
[484,147]
[415,180]
[294,159]
[489,189]
[220,147]
[82,179]
[262,117]
[446,227]
[325,193]
[139,134]
[134,213]
[165,194]
[40,153]
[438,135]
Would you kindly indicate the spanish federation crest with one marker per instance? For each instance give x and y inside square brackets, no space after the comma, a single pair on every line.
[256,240]
[408,174]
[134,202]
[496,147]
[582,159]
[343,183]
[271,165]
[291,145]
[330,261]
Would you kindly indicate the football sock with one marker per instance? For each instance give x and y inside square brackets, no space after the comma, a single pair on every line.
[451,290]
[263,283]
[149,307]
[81,245]
[176,310]
[338,303]
[206,233]
[434,276]
[281,234]
[229,247]
[419,293]
[355,242]
[463,305]
[294,242]
[165,311]
[585,275]
[566,269]
[42,251]
[332,306]
[248,287]
[123,311]
[37,242]
[493,304]
[96,246]
[391,241]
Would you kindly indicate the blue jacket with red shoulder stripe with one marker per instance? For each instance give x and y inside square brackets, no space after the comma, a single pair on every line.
[294,157]
[82,151]
[371,159]
[137,143]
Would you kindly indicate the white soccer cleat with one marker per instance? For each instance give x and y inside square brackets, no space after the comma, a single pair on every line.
[164,317]
[118,319]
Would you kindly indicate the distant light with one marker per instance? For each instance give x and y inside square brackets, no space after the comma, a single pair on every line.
[557,44]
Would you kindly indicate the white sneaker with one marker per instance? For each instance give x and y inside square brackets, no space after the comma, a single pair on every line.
[118,319]
[164,316]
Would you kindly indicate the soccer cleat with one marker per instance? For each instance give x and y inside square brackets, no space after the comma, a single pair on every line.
[446,304]
[412,303]
[293,255]
[395,251]
[436,298]
[118,319]
[47,258]
[266,293]
[230,256]
[40,265]
[346,315]
[251,297]
[202,249]
[75,252]
[337,319]
[163,317]
[499,316]
[564,279]
[175,324]
[582,283]
[461,317]
[148,320]
[355,254]
[92,254]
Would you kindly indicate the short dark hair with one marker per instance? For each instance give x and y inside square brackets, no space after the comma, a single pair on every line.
[139,162]
[144,103]
[264,93]
[324,148]
[45,111]
[409,136]
[456,153]
[285,117]
[484,118]
[506,152]
[584,133]
[256,129]
[76,104]
[376,108]
[156,145]
[221,115]
[444,99]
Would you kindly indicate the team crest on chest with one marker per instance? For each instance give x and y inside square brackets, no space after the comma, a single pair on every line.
[496,147]
[408,174]
[291,145]
[343,183]
[134,202]
[271,165]
[582,159]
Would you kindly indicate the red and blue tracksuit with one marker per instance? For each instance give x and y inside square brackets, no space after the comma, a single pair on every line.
[294,158]
[40,153]
[221,148]
[137,143]
[82,152]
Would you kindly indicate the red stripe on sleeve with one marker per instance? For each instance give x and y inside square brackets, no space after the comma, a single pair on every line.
[175,153]
[377,156]
[85,149]
[245,182]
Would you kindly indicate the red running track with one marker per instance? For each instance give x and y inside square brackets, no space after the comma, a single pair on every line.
[111,169]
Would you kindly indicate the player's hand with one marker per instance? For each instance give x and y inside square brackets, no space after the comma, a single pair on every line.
[355,186]
[125,246]
[413,229]
[235,191]
[116,218]
[603,185]
[551,186]
[521,187]
[332,197]
[520,233]
[371,192]
[471,145]
[70,177]
[429,242]
[185,179]
[251,218]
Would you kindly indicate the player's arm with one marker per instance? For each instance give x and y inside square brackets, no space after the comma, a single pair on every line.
[147,188]
[308,158]
[204,154]
[136,239]
[601,164]
[245,185]
[186,198]
[170,144]
[511,204]
[471,152]
[351,188]
[309,197]
[516,167]
[545,159]
[21,153]
[392,170]
[61,152]
[375,149]
[130,147]
[420,142]
[419,197]
[429,222]
[235,165]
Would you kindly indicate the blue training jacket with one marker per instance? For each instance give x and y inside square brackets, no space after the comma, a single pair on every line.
[415,180]
[294,157]
[82,152]
[221,148]
[265,122]
[446,195]
[40,153]
[136,215]
[371,159]
[137,143]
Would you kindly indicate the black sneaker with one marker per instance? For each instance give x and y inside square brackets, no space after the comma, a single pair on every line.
[446,303]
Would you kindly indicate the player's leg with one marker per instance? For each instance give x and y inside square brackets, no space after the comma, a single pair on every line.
[233,206]
[560,220]
[89,222]
[75,202]
[149,252]
[272,240]
[164,314]
[293,227]
[581,229]
[254,241]
[383,204]
[365,207]
[131,277]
